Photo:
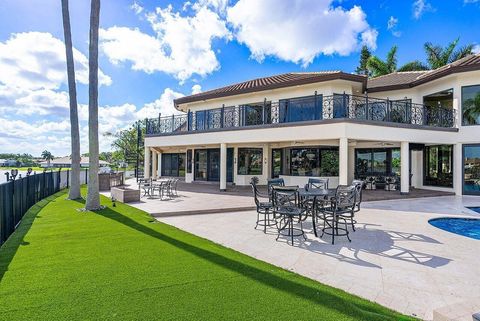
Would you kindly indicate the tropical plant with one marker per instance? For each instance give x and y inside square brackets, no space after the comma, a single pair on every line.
[46,155]
[93,194]
[74,192]
[438,56]
[471,110]
[378,67]
[365,54]
[125,144]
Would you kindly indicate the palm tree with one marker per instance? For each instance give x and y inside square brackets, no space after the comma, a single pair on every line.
[74,192]
[93,195]
[471,110]
[379,67]
[46,155]
[438,56]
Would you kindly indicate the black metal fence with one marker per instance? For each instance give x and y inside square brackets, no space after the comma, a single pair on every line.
[337,106]
[18,195]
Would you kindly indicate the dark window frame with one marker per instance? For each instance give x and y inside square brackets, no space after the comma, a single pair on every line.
[464,192]
[436,181]
[319,161]
[388,161]
[189,161]
[247,169]
[461,103]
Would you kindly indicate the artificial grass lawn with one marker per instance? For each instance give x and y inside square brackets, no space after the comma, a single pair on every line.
[120,264]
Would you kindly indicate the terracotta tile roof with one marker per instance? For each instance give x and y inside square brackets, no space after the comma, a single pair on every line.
[408,79]
[272,82]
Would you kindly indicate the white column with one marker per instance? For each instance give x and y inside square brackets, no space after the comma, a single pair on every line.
[343,161]
[154,163]
[266,163]
[458,168]
[159,164]
[404,168]
[146,162]
[223,167]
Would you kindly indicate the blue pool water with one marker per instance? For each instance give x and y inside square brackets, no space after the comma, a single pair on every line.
[469,227]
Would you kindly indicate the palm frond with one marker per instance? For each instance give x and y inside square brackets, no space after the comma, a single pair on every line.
[392,59]
[433,54]
[447,52]
[413,66]
[462,52]
[377,66]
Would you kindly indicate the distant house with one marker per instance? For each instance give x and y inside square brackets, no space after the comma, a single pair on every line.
[8,162]
[66,162]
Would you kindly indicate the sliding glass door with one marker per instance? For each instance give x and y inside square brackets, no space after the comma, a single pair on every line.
[471,169]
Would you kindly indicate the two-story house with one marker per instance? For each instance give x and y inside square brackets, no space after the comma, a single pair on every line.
[421,128]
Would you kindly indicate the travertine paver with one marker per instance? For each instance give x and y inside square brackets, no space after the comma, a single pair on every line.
[396,257]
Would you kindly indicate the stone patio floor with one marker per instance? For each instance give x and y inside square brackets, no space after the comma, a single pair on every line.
[396,257]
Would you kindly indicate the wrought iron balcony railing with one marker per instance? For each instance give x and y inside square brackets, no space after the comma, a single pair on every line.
[315,108]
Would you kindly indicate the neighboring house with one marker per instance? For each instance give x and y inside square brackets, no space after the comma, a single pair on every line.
[8,162]
[421,127]
[63,162]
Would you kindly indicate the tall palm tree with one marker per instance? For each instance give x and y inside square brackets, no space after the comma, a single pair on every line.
[379,67]
[438,56]
[93,194]
[46,155]
[74,192]
[471,110]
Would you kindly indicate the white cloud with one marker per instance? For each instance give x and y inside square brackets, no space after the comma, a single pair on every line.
[182,45]
[196,89]
[476,49]
[420,7]
[392,26]
[138,9]
[35,60]
[298,31]
[163,105]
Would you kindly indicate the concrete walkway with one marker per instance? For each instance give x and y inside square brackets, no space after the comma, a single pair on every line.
[396,257]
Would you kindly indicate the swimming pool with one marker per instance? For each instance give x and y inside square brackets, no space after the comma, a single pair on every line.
[469,227]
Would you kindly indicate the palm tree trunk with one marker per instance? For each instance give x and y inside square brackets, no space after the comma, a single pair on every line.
[74,192]
[93,195]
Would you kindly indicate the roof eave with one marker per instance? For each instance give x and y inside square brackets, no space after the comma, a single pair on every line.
[329,77]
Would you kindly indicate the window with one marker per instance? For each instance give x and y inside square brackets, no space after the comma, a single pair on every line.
[300,109]
[471,105]
[189,161]
[277,162]
[173,164]
[250,161]
[314,161]
[471,169]
[304,162]
[377,162]
[437,168]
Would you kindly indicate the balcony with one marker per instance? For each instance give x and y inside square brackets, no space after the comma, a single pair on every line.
[314,109]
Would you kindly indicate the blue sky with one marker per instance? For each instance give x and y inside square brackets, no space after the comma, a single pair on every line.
[154,51]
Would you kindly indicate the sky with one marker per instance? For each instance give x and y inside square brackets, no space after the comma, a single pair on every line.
[152,52]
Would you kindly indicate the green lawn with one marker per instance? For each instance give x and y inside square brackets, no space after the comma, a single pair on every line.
[120,264]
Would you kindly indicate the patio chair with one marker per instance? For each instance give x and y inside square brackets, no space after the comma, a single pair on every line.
[371,183]
[359,185]
[263,208]
[274,182]
[342,208]
[390,183]
[145,184]
[286,206]
[318,183]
